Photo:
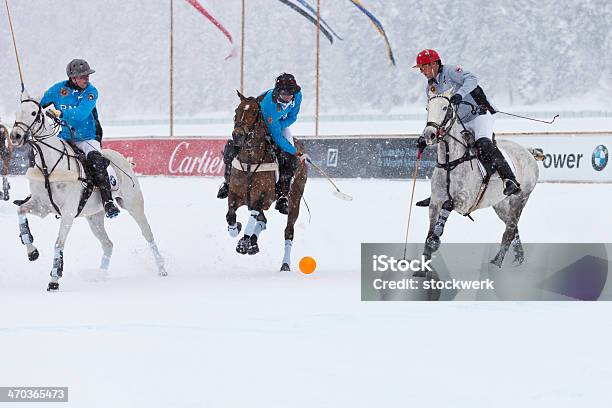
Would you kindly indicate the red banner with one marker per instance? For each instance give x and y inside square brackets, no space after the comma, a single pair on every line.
[172,157]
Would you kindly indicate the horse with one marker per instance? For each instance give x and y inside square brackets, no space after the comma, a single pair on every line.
[252,180]
[6,153]
[458,184]
[58,186]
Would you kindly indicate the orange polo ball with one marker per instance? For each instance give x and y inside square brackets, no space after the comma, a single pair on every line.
[308,265]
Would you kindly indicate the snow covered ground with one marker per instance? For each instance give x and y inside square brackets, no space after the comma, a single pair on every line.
[229,330]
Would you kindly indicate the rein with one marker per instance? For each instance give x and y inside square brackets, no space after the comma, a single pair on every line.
[34,140]
[258,126]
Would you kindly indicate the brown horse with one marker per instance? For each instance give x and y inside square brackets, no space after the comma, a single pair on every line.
[6,152]
[253,180]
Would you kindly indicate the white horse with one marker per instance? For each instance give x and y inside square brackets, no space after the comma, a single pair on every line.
[56,187]
[457,182]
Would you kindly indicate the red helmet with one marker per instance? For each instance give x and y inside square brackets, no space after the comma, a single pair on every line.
[426,57]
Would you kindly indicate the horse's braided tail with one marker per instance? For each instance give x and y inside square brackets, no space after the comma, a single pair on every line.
[537,153]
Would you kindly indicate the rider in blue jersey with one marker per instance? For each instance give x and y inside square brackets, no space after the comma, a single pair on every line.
[280,107]
[75,104]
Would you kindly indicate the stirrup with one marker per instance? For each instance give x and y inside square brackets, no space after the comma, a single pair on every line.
[423,203]
[111,209]
[223,190]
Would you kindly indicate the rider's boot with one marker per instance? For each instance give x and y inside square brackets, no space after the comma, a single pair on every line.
[423,203]
[287,164]
[282,192]
[229,152]
[493,160]
[98,165]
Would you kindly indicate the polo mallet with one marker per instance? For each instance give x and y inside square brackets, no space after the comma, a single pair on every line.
[549,122]
[414,177]
[337,193]
[8,12]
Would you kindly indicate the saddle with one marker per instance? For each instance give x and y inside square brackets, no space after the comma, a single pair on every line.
[76,173]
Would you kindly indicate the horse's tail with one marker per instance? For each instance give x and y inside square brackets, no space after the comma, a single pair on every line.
[537,153]
[123,166]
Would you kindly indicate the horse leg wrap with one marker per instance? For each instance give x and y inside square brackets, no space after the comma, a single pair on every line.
[5,184]
[234,230]
[58,264]
[287,256]
[251,224]
[447,208]
[24,230]
[105,262]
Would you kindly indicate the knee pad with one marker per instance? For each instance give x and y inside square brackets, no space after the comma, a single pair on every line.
[486,149]
[97,161]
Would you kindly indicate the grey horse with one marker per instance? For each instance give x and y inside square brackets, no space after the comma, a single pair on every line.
[56,188]
[457,183]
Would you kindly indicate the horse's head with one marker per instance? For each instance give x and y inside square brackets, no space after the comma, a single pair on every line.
[248,120]
[30,121]
[440,118]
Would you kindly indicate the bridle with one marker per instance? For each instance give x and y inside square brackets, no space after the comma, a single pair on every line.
[32,130]
[31,136]
[443,129]
[242,129]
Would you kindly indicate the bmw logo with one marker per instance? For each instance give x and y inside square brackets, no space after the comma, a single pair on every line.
[599,159]
[113,180]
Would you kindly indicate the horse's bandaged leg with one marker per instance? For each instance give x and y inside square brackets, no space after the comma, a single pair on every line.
[159,260]
[105,262]
[287,256]
[255,225]
[447,208]
[58,264]
[24,230]
[250,227]
[234,230]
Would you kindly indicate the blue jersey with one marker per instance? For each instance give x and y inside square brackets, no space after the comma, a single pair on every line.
[280,116]
[77,107]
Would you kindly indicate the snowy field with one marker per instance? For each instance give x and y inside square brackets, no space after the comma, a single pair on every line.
[229,330]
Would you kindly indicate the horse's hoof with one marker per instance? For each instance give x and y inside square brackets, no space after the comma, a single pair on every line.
[433,243]
[53,286]
[243,245]
[234,230]
[285,267]
[5,196]
[497,261]
[253,249]
[163,272]
[32,256]
[518,259]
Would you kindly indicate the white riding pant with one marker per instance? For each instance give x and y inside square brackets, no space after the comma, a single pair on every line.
[481,126]
[89,146]
[287,134]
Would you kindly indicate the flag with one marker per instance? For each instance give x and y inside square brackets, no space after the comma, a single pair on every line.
[205,13]
[313,11]
[376,24]
[308,15]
